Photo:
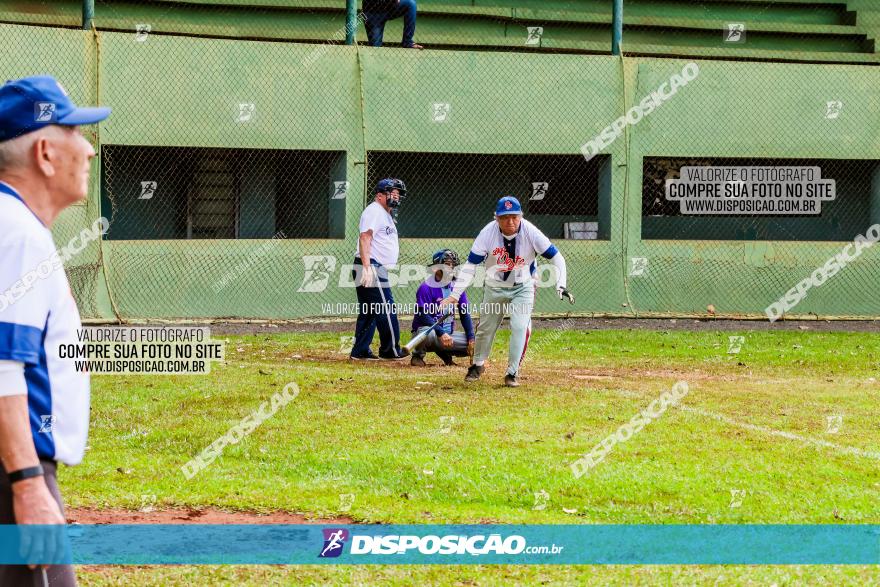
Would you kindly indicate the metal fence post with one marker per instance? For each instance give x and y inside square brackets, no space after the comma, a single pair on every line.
[350,21]
[88,14]
[616,27]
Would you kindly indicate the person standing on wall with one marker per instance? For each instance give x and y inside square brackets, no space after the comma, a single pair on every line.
[378,249]
[378,12]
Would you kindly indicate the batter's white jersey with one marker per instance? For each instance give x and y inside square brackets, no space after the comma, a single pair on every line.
[385,248]
[37,315]
[511,260]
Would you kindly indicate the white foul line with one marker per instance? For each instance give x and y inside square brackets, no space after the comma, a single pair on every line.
[770,431]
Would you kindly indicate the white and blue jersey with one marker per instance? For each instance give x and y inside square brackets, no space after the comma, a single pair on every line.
[37,315]
[510,260]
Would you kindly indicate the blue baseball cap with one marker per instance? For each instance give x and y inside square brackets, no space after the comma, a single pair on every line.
[32,103]
[508,205]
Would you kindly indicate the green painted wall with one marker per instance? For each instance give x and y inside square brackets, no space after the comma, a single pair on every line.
[179,91]
[747,110]
[833,30]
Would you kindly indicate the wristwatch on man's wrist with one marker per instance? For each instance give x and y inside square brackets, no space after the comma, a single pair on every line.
[26,473]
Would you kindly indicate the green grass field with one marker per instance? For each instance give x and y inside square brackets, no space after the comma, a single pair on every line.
[418,446]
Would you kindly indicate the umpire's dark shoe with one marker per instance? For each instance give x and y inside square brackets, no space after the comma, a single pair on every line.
[510,381]
[401,354]
[367,357]
[417,361]
[474,373]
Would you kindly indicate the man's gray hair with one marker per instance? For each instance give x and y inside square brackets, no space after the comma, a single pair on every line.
[14,152]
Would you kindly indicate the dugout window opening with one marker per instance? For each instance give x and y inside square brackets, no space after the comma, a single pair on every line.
[856,203]
[453,195]
[157,193]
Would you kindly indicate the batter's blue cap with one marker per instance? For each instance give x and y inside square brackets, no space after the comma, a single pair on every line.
[31,103]
[508,205]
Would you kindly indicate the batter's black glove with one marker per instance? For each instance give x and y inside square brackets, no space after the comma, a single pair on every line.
[564,293]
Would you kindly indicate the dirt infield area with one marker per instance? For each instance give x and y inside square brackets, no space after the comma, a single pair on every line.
[191,516]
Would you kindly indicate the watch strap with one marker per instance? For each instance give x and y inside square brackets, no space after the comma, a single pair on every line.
[26,473]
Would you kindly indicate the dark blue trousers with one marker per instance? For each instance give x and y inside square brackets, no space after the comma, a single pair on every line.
[375,23]
[376,311]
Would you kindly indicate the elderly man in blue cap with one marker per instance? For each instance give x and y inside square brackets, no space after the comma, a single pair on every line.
[44,401]
[511,242]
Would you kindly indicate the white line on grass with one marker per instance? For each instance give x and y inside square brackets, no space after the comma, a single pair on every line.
[763,429]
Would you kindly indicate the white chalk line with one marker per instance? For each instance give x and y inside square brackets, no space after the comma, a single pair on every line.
[764,430]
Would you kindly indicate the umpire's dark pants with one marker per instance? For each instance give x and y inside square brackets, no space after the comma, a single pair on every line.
[20,575]
[375,311]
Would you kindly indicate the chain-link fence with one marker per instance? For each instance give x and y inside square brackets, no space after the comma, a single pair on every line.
[247,138]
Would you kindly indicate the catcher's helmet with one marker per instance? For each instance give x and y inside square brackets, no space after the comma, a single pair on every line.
[443,255]
[390,184]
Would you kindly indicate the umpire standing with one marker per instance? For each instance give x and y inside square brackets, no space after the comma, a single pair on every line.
[44,401]
[378,249]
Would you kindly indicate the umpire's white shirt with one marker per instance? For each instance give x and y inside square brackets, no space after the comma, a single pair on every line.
[34,321]
[385,249]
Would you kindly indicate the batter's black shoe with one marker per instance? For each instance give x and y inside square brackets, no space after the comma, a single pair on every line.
[367,357]
[474,373]
[417,361]
[510,381]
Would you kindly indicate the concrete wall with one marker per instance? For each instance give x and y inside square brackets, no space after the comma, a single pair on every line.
[179,91]
[833,30]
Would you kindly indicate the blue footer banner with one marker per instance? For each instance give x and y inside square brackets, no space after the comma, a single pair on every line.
[441,544]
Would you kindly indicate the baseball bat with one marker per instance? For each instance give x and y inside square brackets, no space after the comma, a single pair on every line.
[418,338]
